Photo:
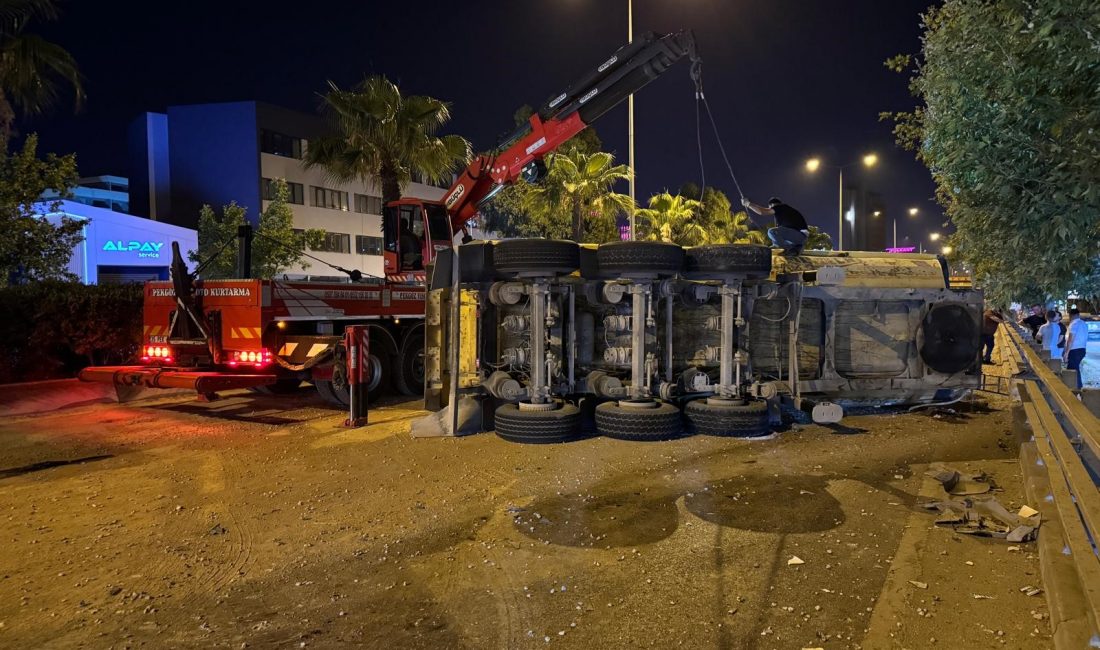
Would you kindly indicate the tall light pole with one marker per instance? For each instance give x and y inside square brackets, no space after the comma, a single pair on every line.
[630,119]
[813,164]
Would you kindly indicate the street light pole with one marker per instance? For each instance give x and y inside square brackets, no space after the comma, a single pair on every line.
[840,214]
[630,119]
[895,232]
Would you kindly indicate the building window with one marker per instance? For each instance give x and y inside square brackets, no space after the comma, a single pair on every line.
[368,204]
[335,242]
[365,245]
[295,191]
[322,197]
[280,144]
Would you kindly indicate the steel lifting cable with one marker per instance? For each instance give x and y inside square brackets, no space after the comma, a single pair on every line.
[700,97]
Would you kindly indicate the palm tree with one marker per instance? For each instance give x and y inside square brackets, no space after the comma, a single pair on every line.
[735,228]
[32,69]
[378,133]
[579,184]
[672,219]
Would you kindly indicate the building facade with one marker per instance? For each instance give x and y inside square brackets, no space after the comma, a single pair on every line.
[119,247]
[220,153]
[108,192]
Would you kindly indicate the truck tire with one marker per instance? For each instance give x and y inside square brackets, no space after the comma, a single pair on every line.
[408,377]
[661,422]
[337,392]
[950,338]
[728,418]
[550,256]
[627,257]
[745,260]
[538,427]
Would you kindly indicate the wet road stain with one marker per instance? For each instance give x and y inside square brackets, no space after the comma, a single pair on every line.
[616,519]
[768,504]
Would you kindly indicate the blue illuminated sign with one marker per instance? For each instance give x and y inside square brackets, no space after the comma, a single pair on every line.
[142,248]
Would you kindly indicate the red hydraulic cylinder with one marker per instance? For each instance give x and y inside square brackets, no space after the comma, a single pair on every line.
[357,343]
[204,383]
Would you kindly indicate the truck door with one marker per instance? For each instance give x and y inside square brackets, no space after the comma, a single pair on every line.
[439,236]
[404,231]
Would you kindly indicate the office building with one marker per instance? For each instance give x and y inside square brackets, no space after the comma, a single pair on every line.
[214,154]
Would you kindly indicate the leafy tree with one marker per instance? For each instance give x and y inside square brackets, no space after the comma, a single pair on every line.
[671,218]
[276,246]
[1011,93]
[32,69]
[577,191]
[30,246]
[819,240]
[380,133]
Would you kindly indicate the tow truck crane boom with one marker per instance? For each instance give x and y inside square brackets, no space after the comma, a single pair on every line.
[521,155]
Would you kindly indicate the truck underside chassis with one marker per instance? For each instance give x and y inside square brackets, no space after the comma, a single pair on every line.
[648,340]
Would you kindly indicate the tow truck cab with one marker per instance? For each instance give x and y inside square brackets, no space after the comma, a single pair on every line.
[414,230]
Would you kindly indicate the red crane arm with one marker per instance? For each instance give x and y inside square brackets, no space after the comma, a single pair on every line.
[627,70]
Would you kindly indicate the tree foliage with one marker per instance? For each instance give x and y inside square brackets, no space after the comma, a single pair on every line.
[31,247]
[380,133]
[719,222]
[670,218]
[1011,94]
[32,69]
[276,246]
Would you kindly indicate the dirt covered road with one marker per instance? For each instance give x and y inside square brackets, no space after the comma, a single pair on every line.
[260,522]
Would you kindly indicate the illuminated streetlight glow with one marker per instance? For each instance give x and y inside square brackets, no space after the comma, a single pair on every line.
[870,160]
[877,213]
[947,250]
[812,164]
[934,236]
[912,212]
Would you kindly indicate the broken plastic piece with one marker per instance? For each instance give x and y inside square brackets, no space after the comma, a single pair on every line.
[795,560]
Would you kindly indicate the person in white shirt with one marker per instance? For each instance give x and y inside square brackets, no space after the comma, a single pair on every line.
[1077,338]
[1049,334]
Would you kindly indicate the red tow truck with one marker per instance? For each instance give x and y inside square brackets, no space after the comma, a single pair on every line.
[271,335]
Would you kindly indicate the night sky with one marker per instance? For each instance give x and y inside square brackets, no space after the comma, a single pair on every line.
[787,79]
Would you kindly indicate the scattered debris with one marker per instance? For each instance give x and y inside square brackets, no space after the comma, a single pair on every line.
[1026,512]
[1031,591]
[218,529]
[918,584]
[1013,548]
[985,518]
[959,484]
[795,560]
[982,597]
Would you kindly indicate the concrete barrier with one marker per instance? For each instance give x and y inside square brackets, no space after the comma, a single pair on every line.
[1090,397]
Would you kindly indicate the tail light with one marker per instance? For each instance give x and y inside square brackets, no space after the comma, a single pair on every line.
[157,353]
[258,358]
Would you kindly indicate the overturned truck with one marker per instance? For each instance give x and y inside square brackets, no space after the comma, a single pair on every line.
[548,340]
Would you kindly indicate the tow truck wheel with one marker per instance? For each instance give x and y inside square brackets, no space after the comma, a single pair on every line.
[560,424]
[642,420]
[731,418]
[337,391]
[409,377]
[745,260]
[550,256]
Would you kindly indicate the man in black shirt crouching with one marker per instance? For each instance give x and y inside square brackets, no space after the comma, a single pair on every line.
[790,232]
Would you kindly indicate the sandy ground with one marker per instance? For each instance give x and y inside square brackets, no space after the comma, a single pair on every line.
[260,522]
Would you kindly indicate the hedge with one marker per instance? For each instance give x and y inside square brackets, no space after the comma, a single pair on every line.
[50,330]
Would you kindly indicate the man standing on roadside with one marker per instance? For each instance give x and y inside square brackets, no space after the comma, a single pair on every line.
[990,320]
[1050,335]
[1077,339]
[1034,320]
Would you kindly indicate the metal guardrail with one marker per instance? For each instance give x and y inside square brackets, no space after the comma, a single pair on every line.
[1057,474]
